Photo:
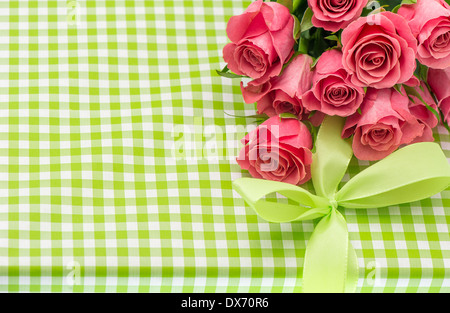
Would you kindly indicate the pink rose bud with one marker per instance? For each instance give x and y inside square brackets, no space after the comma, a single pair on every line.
[429,21]
[261,40]
[379,50]
[282,94]
[335,15]
[333,93]
[279,150]
[439,81]
[385,123]
[423,115]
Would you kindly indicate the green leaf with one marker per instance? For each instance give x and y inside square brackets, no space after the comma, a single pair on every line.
[332,38]
[306,23]
[395,10]
[315,63]
[313,130]
[409,2]
[225,72]
[443,120]
[289,62]
[421,72]
[225,69]
[395,5]
[398,87]
[288,115]
[336,38]
[288,4]
[410,91]
[297,3]
[297,28]
[256,116]
[318,44]
[303,45]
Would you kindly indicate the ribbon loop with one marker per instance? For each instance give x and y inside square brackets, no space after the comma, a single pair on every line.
[331,159]
[254,190]
[412,173]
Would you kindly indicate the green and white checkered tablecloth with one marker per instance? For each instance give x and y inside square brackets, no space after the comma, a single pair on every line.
[112,173]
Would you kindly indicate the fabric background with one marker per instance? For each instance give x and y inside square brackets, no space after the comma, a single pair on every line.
[109,179]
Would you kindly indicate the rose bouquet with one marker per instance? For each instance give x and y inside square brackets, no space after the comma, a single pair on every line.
[333,79]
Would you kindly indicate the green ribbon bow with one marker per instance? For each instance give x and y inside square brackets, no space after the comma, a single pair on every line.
[415,172]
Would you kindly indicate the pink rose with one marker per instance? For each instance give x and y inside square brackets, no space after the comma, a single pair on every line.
[261,40]
[280,150]
[439,81]
[333,93]
[335,15]
[429,21]
[422,114]
[379,50]
[282,94]
[385,123]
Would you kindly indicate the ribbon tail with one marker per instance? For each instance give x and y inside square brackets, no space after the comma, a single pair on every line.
[330,265]
[308,206]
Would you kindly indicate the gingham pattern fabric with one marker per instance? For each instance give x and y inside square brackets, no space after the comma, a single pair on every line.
[117,146]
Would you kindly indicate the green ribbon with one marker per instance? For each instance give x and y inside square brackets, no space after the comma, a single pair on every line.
[415,172]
